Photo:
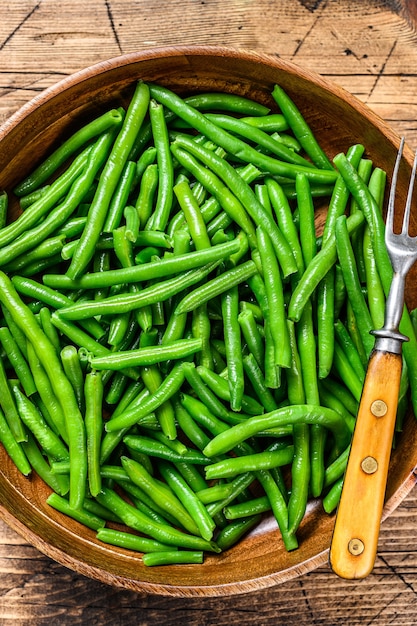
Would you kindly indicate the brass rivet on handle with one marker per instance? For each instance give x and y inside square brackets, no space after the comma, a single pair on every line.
[369,465]
[356,547]
[379,408]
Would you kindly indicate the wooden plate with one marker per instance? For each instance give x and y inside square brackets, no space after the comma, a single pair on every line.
[338,120]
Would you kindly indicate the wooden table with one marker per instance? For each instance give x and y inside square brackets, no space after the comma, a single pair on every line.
[367,46]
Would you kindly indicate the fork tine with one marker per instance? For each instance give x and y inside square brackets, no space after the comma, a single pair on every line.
[406,218]
[391,200]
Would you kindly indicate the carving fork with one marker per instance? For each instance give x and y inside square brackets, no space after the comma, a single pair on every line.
[355,537]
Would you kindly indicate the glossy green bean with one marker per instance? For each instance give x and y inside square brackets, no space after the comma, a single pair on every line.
[108,180]
[146,271]
[304,414]
[69,147]
[62,387]
[39,231]
[120,197]
[216,286]
[165,498]
[247,197]
[17,360]
[317,269]
[276,307]
[40,208]
[131,541]
[13,448]
[300,128]
[159,218]
[33,420]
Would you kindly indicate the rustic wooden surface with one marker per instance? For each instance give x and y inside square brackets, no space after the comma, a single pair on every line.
[367,46]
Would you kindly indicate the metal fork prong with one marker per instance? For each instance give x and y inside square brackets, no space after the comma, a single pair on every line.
[391,200]
[406,218]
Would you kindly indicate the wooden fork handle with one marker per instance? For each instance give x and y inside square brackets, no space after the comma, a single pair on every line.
[355,537]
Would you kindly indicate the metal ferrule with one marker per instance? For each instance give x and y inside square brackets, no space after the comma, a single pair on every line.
[389,340]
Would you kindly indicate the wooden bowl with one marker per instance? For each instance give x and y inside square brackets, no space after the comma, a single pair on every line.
[338,120]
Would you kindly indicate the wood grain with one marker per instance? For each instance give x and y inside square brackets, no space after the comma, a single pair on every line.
[369,47]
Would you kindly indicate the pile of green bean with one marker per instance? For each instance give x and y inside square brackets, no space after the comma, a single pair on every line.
[182,352]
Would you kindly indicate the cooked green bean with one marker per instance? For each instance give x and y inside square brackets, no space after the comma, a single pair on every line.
[108,180]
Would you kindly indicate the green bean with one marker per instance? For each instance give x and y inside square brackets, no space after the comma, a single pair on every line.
[231,144]
[252,335]
[285,219]
[214,493]
[201,329]
[156,449]
[317,269]
[53,298]
[203,391]
[224,196]
[226,102]
[274,122]
[248,508]
[307,351]
[39,231]
[231,467]
[81,515]
[232,338]
[375,291]
[238,486]
[120,197]
[349,348]
[162,496]
[216,286]
[47,249]
[159,218]
[69,147]
[8,406]
[33,420]
[220,387]
[48,328]
[302,413]
[189,427]
[132,223]
[4,204]
[189,499]
[234,531]
[58,482]
[349,269]
[300,128]
[13,448]
[191,209]
[93,392]
[152,379]
[122,303]
[166,267]
[72,368]
[17,360]
[147,356]
[167,389]
[337,468]
[279,508]
[346,372]
[256,377]
[40,208]
[331,499]
[175,557]
[249,132]
[61,386]
[147,190]
[274,294]
[52,410]
[247,198]
[108,180]
[130,541]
